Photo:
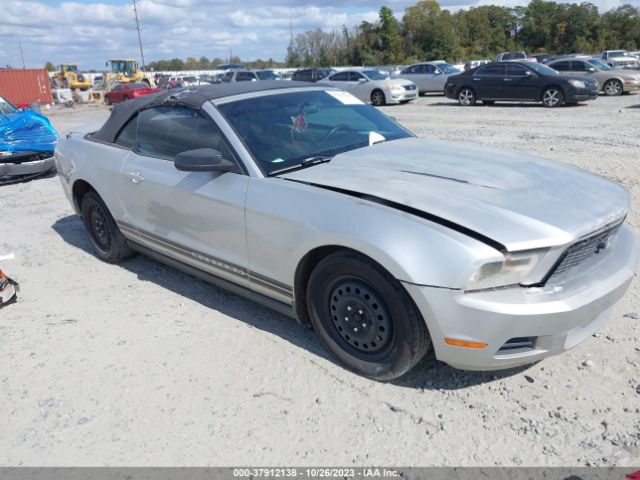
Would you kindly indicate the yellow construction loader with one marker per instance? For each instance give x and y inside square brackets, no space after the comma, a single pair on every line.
[68,76]
[124,70]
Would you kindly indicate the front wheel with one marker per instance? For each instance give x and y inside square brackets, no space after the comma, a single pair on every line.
[105,236]
[613,88]
[377,98]
[552,97]
[365,317]
[466,97]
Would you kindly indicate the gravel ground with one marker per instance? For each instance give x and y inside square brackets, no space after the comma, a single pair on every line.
[138,364]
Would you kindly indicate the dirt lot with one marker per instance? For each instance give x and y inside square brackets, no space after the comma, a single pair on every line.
[138,364]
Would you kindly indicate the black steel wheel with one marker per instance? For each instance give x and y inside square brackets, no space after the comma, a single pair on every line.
[105,236]
[365,317]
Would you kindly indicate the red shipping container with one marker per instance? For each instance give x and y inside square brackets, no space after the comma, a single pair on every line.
[25,86]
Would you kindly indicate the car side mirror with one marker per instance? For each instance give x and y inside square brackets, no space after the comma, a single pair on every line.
[528,73]
[203,160]
[592,70]
[362,80]
[437,72]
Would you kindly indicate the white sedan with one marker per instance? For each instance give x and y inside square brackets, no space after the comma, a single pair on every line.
[373,86]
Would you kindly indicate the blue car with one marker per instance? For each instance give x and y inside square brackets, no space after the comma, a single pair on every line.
[27,142]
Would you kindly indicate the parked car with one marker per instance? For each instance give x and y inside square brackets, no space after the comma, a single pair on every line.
[507,56]
[519,81]
[386,243]
[27,141]
[311,74]
[373,86]
[98,82]
[128,91]
[620,59]
[542,57]
[240,76]
[610,81]
[429,76]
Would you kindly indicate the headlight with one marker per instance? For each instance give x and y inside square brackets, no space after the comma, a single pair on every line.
[516,268]
[577,83]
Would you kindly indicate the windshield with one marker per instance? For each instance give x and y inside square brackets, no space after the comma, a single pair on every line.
[448,69]
[6,107]
[599,64]
[376,75]
[283,129]
[542,69]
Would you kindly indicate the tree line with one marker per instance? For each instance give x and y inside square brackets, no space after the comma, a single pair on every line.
[428,32]
[203,63]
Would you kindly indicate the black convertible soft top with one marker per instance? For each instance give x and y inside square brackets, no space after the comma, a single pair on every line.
[193,97]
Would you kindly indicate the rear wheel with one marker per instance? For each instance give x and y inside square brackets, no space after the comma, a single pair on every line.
[107,100]
[125,98]
[377,98]
[466,97]
[105,236]
[365,317]
[613,88]
[552,97]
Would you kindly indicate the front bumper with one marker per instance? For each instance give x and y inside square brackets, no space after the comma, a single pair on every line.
[405,96]
[23,166]
[630,86]
[582,94]
[555,318]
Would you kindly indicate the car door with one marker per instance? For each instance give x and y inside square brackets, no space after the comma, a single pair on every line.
[489,83]
[339,80]
[432,79]
[194,217]
[522,82]
[115,95]
[359,86]
[415,73]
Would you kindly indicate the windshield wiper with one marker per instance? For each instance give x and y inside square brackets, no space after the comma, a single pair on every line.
[307,162]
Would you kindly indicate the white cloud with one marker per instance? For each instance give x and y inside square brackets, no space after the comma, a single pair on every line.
[89,32]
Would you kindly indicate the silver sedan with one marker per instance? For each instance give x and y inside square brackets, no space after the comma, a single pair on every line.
[429,77]
[373,86]
[307,200]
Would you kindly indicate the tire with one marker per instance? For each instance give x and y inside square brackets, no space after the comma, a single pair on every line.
[108,242]
[377,98]
[466,97]
[613,88]
[552,97]
[387,335]
[125,98]
[107,101]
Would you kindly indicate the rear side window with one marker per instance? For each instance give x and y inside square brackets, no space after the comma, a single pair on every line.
[430,69]
[163,132]
[577,66]
[491,70]
[562,66]
[340,77]
[127,136]
[245,77]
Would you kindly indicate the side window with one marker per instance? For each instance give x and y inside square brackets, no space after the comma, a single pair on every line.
[491,70]
[516,70]
[413,69]
[562,66]
[580,67]
[430,69]
[117,88]
[244,76]
[127,136]
[355,76]
[227,77]
[164,132]
[340,77]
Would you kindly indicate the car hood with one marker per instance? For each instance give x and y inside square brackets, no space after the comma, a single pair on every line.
[520,201]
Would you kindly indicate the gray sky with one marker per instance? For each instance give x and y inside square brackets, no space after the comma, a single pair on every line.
[89,32]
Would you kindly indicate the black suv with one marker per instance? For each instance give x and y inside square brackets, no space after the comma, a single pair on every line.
[311,74]
[520,82]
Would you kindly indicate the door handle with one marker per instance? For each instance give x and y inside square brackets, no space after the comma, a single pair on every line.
[507,79]
[135,177]
[475,79]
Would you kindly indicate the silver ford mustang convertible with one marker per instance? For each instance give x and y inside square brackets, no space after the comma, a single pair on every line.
[307,200]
